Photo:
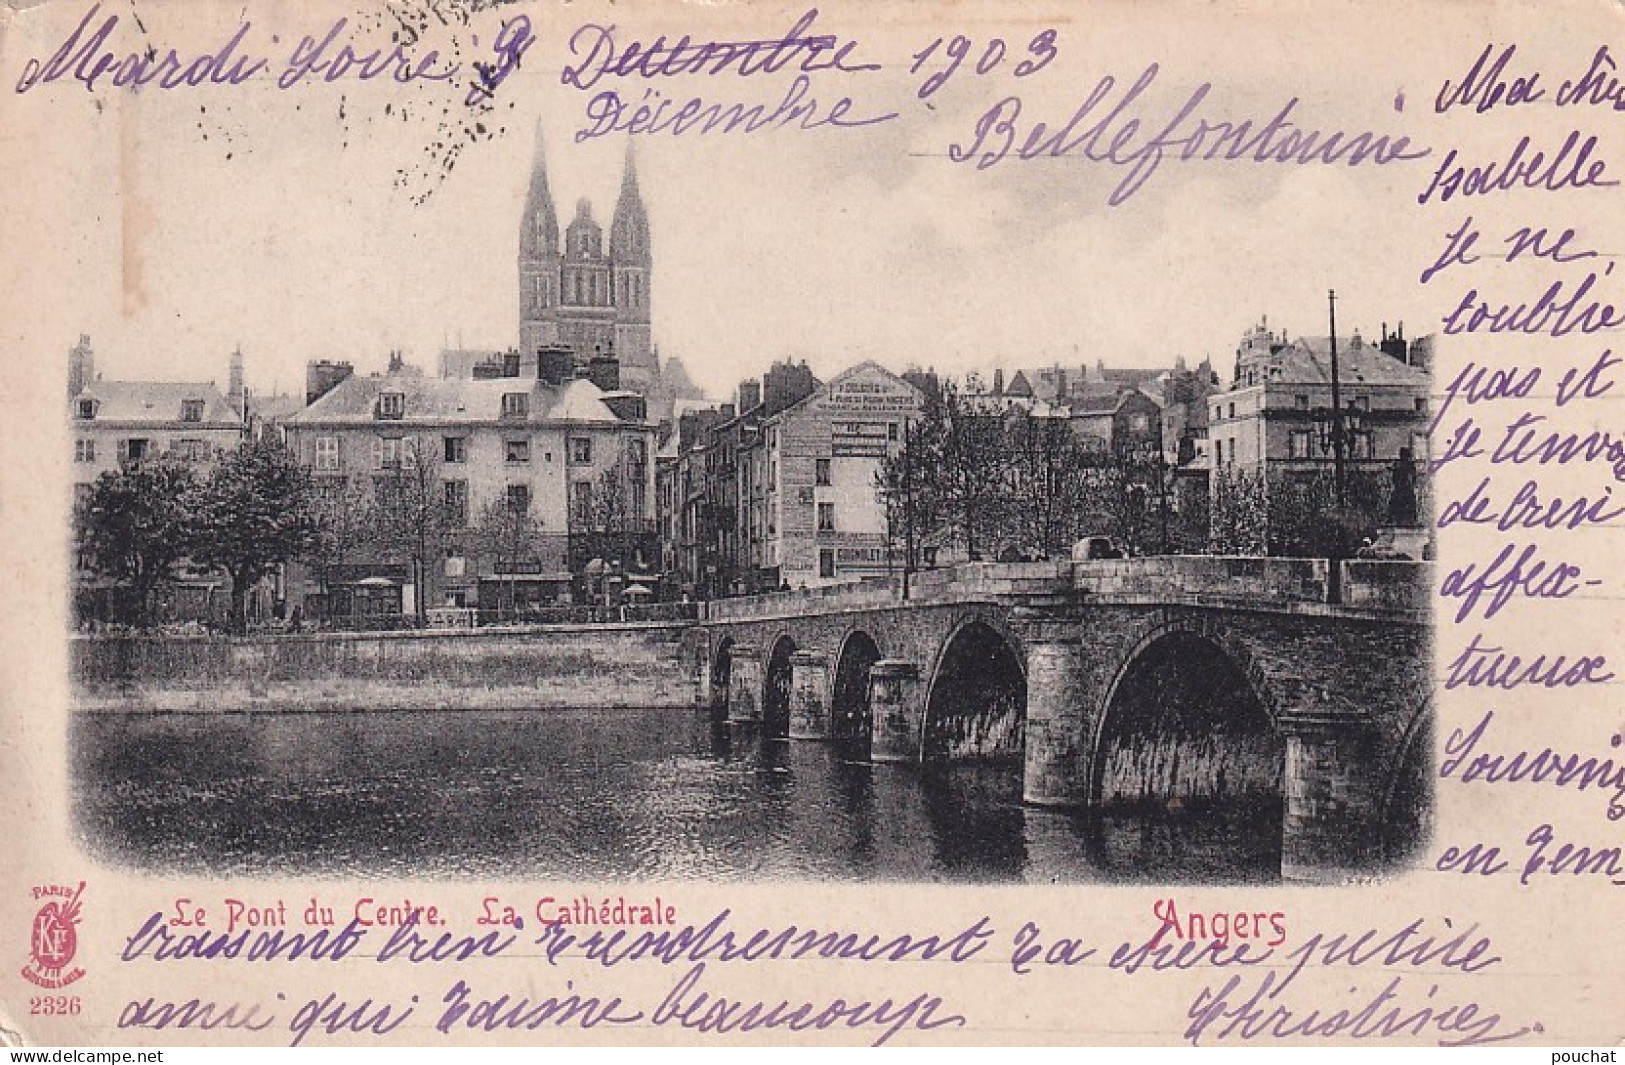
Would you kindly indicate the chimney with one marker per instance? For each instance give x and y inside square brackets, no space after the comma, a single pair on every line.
[1060,386]
[998,381]
[605,372]
[235,388]
[510,364]
[81,366]
[555,364]
[322,377]
[750,394]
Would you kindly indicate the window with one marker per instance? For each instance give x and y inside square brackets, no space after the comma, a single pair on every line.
[391,405]
[1298,444]
[393,452]
[87,409]
[327,454]
[1218,452]
[1421,404]
[135,450]
[84,451]
[190,450]
[516,452]
[826,517]
[1301,402]
[1232,410]
[581,451]
[821,471]
[826,562]
[455,449]
[191,410]
[1361,403]
[456,499]
[891,430]
[516,404]
[581,503]
[637,452]
[1362,445]
[519,498]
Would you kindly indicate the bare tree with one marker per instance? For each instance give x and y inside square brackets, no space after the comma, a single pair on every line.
[410,509]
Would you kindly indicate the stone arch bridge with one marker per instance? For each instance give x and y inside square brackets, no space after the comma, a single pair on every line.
[1166,682]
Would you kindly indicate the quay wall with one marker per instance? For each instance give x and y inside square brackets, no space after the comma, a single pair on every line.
[623,665]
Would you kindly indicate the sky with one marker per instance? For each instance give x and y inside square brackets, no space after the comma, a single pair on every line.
[318,222]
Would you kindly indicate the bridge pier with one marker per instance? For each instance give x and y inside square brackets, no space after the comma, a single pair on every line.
[1055,772]
[745,684]
[1331,783]
[809,696]
[896,703]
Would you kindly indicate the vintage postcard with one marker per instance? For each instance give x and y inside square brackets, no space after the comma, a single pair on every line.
[742,523]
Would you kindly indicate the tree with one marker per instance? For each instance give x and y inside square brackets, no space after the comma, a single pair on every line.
[138,526]
[345,524]
[1239,513]
[909,485]
[506,532]
[254,513]
[409,502]
[972,469]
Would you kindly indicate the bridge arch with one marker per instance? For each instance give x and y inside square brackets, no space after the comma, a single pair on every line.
[976,701]
[1405,815]
[721,675]
[849,716]
[776,686]
[1187,732]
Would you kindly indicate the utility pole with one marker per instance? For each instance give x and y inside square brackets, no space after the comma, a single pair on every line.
[1335,564]
[1337,409]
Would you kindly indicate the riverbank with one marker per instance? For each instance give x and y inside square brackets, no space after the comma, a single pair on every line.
[539,667]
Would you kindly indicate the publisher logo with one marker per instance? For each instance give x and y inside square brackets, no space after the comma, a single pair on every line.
[54,939]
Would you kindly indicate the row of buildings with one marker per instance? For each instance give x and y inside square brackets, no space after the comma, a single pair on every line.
[580,466]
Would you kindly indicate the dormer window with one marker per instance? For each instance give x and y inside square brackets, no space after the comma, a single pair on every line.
[87,409]
[392,405]
[191,410]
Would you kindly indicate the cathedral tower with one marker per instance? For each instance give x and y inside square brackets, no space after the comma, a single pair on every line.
[581,293]
[538,261]
[631,263]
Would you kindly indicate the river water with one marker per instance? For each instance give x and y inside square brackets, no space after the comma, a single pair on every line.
[601,795]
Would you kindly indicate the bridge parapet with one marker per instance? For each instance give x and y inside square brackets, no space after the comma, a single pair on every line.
[1292,584]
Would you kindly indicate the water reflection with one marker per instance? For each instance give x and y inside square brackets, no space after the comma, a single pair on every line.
[594,794]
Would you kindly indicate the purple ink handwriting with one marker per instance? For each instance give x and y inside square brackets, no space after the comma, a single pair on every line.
[1528,442]
[1525,242]
[88,56]
[597,55]
[1517,572]
[1489,83]
[1482,665]
[1467,761]
[1571,167]
[1118,133]
[658,113]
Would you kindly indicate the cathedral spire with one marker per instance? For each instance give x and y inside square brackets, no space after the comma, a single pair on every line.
[539,231]
[629,231]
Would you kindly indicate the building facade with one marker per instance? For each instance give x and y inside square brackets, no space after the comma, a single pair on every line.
[826,521]
[507,489]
